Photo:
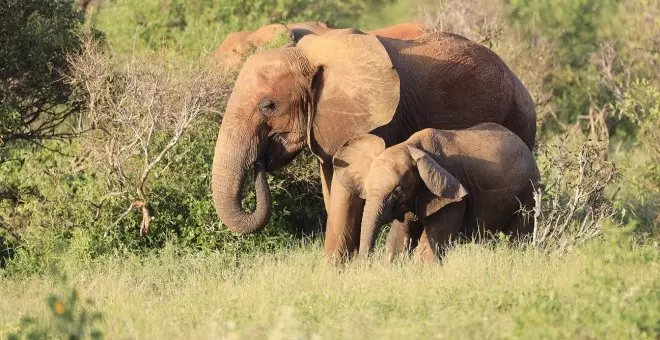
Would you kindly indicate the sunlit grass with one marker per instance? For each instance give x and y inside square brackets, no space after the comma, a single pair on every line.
[599,291]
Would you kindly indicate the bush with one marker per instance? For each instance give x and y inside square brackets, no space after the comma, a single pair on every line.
[35,38]
[138,116]
[576,26]
[572,205]
[140,178]
[194,28]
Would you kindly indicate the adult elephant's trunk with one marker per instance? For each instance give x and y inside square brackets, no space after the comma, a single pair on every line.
[372,219]
[234,156]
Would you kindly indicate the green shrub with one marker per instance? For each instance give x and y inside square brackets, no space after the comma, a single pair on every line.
[197,27]
[35,38]
[575,26]
[153,121]
[640,107]
[59,214]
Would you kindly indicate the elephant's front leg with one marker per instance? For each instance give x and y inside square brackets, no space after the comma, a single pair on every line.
[326,177]
[342,234]
[439,230]
[402,238]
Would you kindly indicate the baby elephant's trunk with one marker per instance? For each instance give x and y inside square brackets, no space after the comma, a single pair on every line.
[371,225]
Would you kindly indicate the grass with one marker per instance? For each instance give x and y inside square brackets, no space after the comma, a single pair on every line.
[602,290]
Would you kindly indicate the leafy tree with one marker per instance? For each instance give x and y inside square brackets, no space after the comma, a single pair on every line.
[35,38]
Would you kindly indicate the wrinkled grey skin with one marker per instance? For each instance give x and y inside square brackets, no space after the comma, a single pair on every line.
[451,180]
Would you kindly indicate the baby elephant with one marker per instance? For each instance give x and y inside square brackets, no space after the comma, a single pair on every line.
[452,181]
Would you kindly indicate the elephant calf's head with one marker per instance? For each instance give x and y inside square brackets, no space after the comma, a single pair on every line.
[393,181]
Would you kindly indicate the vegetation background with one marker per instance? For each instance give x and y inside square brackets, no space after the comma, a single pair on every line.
[108,118]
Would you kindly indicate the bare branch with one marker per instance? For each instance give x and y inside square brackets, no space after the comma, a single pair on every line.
[4,226]
[572,207]
[140,113]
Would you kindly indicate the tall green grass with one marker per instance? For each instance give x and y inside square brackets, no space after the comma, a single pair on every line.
[608,289]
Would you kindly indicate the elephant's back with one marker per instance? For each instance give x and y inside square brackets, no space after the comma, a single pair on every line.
[444,53]
[450,82]
[491,157]
[404,31]
[302,29]
[500,171]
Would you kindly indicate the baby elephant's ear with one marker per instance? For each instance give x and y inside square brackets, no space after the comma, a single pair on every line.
[438,180]
[352,161]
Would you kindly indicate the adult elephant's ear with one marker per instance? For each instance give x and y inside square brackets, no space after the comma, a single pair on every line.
[352,161]
[356,88]
[443,186]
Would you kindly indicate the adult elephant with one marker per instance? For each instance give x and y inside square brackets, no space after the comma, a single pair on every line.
[406,31]
[238,45]
[333,87]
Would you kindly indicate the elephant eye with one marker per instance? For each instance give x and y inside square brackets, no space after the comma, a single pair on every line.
[268,107]
[397,192]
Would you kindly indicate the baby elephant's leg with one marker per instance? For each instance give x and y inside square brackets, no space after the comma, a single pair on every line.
[403,237]
[439,229]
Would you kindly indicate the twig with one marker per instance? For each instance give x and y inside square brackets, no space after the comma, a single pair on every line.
[5,227]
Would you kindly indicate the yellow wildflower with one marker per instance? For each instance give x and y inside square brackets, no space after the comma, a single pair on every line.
[59,308]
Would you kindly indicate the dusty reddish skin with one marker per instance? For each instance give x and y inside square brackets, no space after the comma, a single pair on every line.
[446,82]
[233,49]
[238,45]
[448,179]
[404,31]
